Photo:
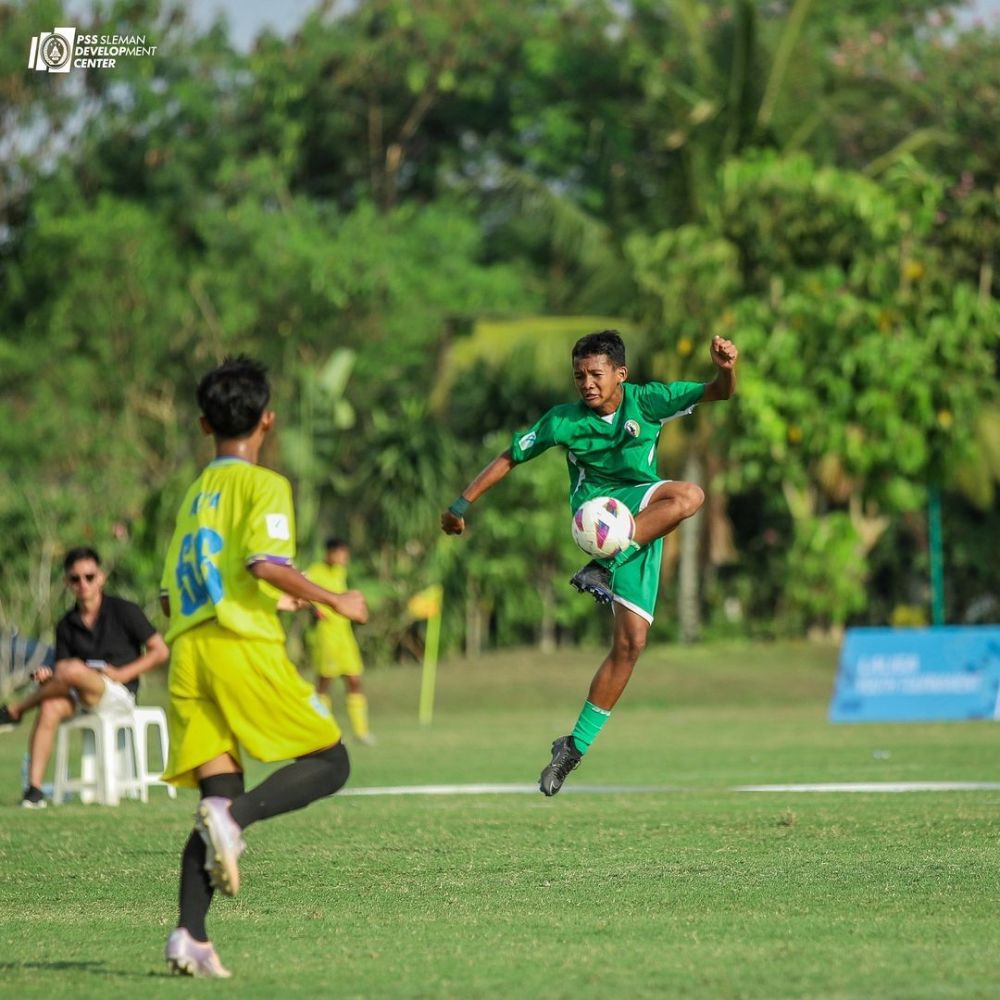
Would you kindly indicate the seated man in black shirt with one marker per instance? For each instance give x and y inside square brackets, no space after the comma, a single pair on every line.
[103,645]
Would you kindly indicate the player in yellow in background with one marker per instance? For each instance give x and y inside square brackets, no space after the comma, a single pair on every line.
[334,649]
[232,686]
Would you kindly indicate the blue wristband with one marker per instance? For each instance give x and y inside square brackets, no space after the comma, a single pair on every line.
[459,507]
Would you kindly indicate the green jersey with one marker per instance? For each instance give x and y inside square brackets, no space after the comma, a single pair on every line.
[615,450]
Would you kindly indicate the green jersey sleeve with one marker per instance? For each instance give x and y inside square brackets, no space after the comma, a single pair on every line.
[542,435]
[660,401]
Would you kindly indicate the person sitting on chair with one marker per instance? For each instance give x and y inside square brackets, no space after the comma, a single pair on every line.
[103,645]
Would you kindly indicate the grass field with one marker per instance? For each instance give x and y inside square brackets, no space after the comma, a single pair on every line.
[702,891]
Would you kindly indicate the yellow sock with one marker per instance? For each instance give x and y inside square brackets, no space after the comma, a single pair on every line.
[327,700]
[357,712]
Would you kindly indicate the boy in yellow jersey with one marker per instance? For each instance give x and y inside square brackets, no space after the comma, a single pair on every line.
[232,687]
[335,651]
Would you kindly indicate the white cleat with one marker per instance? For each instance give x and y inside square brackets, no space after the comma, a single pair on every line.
[187,957]
[223,843]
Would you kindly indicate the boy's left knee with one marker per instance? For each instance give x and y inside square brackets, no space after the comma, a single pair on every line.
[337,767]
[632,647]
[629,644]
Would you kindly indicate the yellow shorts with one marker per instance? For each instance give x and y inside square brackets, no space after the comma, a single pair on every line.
[335,653]
[228,693]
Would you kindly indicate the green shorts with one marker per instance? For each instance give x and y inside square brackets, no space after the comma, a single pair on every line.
[636,582]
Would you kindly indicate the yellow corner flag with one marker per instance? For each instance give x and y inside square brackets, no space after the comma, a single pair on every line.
[427,606]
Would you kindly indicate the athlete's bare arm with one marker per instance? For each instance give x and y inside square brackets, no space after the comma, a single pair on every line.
[724,355]
[451,523]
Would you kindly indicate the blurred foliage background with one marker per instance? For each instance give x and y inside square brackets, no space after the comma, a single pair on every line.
[409,209]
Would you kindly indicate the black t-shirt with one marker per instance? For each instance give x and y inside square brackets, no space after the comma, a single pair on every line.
[120,632]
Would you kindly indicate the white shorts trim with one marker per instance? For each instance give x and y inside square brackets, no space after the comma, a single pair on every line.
[679,413]
[648,495]
[615,599]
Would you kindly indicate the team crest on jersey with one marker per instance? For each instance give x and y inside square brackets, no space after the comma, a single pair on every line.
[632,428]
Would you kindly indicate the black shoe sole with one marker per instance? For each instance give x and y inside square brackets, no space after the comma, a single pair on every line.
[601,596]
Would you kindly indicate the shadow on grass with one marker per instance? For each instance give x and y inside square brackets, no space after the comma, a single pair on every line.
[94,968]
[55,966]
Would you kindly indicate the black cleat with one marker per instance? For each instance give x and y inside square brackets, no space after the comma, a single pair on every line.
[7,721]
[565,757]
[594,579]
[33,798]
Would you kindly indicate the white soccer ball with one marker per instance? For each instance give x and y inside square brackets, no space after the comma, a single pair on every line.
[602,527]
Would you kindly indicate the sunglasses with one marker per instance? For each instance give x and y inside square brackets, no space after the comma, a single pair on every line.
[78,577]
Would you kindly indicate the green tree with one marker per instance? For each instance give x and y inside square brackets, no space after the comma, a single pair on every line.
[95,321]
[868,371]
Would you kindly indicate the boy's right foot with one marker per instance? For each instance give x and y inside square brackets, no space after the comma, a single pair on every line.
[187,957]
[565,757]
[223,842]
[7,720]
[33,798]
[594,579]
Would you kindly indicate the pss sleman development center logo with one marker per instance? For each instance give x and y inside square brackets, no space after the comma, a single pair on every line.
[61,49]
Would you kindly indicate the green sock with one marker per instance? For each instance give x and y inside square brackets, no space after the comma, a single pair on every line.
[626,553]
[590,723]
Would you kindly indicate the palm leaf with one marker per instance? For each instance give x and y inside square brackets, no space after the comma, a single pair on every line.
[782,58]
[546,340]
[914,141]
[740,88]
[574,235]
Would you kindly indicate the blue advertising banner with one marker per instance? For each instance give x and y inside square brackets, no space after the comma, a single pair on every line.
[918,674]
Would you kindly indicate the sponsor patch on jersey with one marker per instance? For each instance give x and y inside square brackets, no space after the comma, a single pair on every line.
[527,441]
[277,527]
[632,428]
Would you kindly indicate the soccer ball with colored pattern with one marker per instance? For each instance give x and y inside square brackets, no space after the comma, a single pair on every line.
[602,527]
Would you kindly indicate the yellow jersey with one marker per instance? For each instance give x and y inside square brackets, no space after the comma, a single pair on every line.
[233,515]
[334,579]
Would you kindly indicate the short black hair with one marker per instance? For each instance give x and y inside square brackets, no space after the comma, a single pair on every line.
[80,552]
[333,542]
[233,396]
[608,342]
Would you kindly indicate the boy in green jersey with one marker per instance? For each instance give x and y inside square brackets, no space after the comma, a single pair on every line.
[610,438]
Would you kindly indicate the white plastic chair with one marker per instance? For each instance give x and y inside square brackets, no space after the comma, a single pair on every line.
[114,761]
[146,719]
